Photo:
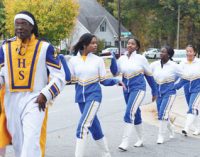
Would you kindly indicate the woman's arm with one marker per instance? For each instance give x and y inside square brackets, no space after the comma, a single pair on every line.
[114,68]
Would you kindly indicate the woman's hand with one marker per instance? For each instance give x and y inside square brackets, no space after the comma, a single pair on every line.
[41,100]
[154,98]
[120,83]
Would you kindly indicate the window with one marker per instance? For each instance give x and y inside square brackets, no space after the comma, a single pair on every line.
[103,27]
[107,43]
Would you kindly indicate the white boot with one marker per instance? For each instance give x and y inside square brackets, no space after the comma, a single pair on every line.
[170,127]
[80,147]
[190,119]
[126,135]
[2,152]
[197,126]
[196,132]
[103,145]
[161,132]
[138,129]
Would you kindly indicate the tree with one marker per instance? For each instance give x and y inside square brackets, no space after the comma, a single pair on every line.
[135,15]
[105,4]
[55,18]
[154,22]
[2,19]
[102,2]
[100,46]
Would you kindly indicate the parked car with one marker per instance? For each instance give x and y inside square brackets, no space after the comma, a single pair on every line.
[153,53]
[179,55]
[106,53]
[110,49]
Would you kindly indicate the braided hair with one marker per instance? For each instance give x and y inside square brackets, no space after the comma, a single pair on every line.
[84,40]
[170,51]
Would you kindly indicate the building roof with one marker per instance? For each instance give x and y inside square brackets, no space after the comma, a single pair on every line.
[93,22]
[92,13]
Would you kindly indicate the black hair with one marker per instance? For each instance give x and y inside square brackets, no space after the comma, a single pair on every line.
[84,40]
[170,52]
[35,27]
[189,45]
[136,41]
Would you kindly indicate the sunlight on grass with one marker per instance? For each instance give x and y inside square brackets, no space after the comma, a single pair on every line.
[107,62]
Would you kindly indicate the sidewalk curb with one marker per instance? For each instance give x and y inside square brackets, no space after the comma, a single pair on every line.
[178,114]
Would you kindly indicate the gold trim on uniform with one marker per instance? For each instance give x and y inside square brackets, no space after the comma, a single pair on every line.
[22,68]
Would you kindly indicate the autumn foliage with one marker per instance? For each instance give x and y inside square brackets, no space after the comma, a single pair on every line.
[55,18]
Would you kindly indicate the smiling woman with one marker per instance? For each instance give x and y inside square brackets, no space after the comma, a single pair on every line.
[134,69]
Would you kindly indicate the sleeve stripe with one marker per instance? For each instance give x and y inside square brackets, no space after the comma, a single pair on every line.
[56,87]
[54,65]
[54,90]
[52,94]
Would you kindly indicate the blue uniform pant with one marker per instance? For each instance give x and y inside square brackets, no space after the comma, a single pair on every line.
[89,120]
[164,105]
[187,93]
[133,101]
[194,100]
[187,97]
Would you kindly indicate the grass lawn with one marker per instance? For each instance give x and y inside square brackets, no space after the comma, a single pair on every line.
[107,62]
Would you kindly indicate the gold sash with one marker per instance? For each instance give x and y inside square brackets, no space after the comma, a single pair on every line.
[22,65]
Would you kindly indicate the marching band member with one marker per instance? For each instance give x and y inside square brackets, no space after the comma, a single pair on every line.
[27,63]
[191,82]
[134,68]
[165,73]
[88,70]
[4,134]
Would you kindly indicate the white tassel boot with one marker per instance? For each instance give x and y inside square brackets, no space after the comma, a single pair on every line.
[126,135]
[170,128]
[2,152]
[103,145]
[190,119]
[197,126]
[80,147]
[161,132]
[138,129]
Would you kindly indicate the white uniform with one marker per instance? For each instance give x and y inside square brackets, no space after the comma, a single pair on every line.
[134,70]
[191,82]
[89,73]
[25,77]
[165,77]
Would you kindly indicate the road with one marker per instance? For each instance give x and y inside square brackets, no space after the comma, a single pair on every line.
[64,116]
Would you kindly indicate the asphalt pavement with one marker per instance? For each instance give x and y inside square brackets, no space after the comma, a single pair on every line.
[64,116]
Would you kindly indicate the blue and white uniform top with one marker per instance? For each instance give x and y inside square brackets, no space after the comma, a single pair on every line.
[165,76]
[88,74]
[190,76]
[134,69]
